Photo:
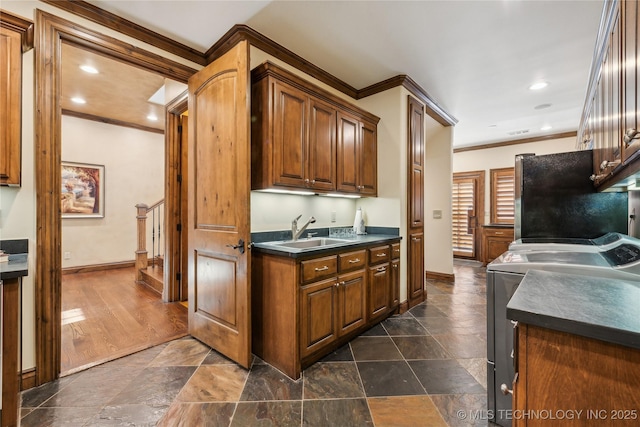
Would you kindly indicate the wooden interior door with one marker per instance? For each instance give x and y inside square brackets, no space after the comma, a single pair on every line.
[219,162]
[467,205]
[415,204]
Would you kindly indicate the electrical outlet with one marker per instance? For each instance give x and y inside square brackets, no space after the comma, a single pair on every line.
[67,255]
[333,216]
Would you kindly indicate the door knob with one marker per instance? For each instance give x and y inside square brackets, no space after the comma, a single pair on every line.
[239,246]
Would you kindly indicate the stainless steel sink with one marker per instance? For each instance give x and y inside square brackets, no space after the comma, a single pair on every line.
[310,243]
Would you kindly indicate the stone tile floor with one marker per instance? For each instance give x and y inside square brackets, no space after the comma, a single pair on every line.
[426,367]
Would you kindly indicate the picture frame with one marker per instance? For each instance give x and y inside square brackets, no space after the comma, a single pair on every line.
[83,194]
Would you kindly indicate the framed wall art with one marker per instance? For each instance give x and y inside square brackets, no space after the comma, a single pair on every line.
[82,190]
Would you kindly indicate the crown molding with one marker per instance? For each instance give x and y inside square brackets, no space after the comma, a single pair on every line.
[571,134]
[20,25]
[241,32]
[107,19]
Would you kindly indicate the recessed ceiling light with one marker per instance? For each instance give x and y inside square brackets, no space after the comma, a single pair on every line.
[541,106]
[89,69]
[152,117]
[78,100]
[547,127]
[538,86]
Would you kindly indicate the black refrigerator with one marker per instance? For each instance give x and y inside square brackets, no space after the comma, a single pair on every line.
[555,198]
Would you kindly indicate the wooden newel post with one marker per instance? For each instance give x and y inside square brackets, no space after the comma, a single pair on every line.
[141,252]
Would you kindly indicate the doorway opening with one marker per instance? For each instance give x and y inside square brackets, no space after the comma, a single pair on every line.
[53,32]
[467,204]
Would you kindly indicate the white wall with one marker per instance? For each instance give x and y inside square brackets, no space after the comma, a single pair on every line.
[504,157]
[134,173]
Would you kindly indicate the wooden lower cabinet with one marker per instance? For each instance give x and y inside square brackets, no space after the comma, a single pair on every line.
[596,383]
[495,242]
[304,309]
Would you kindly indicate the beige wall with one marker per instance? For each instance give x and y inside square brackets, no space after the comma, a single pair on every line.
[503,157]
[18,205]
[134,173]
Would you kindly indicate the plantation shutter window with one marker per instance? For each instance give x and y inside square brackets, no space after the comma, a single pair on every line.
[502,196]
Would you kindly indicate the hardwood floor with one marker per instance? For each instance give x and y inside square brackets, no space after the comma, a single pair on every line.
[106,315]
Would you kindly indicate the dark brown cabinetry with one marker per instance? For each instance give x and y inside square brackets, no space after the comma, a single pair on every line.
[305,138]
[561,373]
[610,119]
[304,308]
[495,241]
[16,37]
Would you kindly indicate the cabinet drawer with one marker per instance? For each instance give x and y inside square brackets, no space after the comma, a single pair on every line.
[395,251]
[352,260]
[318,268]
[379,254]
[507,233]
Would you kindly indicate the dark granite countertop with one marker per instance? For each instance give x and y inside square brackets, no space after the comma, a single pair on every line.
[593,307]
[497,226]
[17,266]
[352,242]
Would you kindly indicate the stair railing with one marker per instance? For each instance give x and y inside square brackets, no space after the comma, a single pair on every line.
[155,233]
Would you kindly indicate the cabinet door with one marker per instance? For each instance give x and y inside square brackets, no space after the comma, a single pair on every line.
[368,151]
[630,77]
[352,301]
[379,290]
[10,106]
[347,159]
[317,316]
[322,146]
[415,268]
[290,107]
[395,283]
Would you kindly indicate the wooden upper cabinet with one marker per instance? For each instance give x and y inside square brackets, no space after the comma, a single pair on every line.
[322,145]
[630,16]
[16,37]
[357,156]
[306,138]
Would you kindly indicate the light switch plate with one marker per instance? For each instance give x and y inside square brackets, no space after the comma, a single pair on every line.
[437,214]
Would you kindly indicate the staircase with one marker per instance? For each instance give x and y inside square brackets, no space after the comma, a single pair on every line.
[150,272]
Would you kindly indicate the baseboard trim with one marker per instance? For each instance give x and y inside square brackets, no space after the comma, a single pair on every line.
[433,275]
[98,267]
[28,379]
[403,307]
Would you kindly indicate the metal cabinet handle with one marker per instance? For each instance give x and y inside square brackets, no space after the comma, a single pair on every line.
[382,269]
[381,255]
[505,390]
[353,261]
[325,268]
[630,135]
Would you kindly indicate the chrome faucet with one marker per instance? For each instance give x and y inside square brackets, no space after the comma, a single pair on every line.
[295,233]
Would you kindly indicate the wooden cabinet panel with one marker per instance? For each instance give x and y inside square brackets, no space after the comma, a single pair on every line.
[10,106]
[379,290]
[347,162]
[395,283]
[558,372]
[318,316]
[322,146]
[318,268]
[352,260]
[379,254]
[306,138]
[495,242]
[352,301]
[368,169]
[289,135]
[630,17]
[415,269]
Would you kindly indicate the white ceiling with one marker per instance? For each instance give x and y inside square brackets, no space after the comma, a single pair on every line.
[476,59]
